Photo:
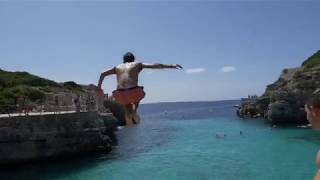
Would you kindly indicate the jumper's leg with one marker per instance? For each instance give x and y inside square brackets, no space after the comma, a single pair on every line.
[136,105]
[136,117]
[129,111]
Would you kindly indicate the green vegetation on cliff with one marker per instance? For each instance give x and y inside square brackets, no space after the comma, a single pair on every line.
[24,84]
[8,96]
[312,61]
[11,79]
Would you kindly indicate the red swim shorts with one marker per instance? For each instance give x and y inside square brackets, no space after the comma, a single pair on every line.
[127,96]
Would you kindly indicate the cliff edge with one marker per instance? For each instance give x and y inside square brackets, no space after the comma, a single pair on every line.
[283,101]
[44,136]
[41,119]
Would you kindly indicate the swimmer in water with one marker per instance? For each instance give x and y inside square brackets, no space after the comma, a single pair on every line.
[128,92]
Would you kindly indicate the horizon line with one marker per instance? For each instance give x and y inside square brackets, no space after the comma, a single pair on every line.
[190,101]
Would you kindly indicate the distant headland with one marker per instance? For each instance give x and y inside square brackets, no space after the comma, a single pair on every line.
[283,101]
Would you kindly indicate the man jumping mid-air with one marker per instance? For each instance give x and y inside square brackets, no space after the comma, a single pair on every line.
[128,92]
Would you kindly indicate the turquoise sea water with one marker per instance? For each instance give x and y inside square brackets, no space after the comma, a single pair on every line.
[186,141]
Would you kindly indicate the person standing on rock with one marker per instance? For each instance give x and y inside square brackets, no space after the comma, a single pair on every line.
[128,92]
[312,109]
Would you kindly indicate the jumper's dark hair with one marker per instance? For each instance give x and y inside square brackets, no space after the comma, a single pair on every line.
[128,57]
[314,101]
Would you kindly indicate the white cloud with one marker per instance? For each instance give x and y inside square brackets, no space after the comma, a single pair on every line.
[227,69]
[195,70]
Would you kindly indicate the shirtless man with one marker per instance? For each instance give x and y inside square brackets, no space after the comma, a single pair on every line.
[312,108]
[128,92]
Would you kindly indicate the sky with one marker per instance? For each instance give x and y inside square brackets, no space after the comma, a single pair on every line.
[228,49]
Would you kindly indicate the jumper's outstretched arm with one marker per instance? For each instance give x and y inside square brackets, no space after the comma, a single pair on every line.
[161,66]
[104,74]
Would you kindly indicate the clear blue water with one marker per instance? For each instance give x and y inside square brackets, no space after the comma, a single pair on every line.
[178,141]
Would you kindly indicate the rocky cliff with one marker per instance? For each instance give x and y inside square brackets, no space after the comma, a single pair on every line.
[41,119]
[283,101]
[35,137]
[35,93]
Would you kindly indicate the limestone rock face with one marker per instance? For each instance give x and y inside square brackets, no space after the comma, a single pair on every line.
[283,101]
[22,91]
[33,137]
[283,112]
